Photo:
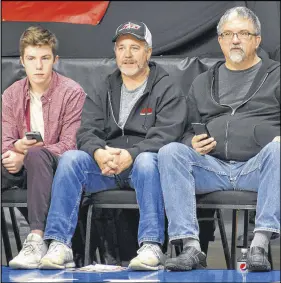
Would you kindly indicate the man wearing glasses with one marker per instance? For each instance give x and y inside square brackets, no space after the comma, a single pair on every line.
[239,101]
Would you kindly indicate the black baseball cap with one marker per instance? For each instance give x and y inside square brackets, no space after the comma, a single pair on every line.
[135,28]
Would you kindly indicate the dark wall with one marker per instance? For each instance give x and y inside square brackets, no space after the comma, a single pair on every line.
[186,28]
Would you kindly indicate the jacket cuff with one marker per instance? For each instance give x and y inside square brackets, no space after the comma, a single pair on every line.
[134,152]
[92,150]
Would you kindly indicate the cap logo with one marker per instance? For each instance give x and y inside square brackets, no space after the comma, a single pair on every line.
[130,26]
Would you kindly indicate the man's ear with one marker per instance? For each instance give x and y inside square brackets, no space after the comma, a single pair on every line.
[258,41]
[21,60]
[56,59]
[149,52]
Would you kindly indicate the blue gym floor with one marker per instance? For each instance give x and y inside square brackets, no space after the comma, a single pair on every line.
[208,275]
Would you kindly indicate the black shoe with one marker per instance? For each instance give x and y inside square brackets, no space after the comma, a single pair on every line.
[257,260]
[190,258]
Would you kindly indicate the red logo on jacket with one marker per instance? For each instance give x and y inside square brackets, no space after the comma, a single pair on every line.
[147,111]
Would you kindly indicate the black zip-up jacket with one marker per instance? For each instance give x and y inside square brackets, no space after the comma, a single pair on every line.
[157,118]
[242,132]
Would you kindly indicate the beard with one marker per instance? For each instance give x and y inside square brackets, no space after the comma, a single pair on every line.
[237,56]
[129,72]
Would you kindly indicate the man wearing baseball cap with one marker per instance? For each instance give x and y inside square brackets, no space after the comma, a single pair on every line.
[130,115]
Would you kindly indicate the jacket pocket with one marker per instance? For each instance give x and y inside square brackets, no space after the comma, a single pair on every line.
[264,134]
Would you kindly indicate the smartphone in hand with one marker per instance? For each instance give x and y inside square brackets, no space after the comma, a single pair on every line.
[200,128]
[34,135]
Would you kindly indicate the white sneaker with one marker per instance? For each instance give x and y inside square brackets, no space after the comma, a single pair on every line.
[59,256]
[150,257]
[34,248]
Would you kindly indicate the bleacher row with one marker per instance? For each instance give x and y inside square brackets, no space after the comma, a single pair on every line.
[87,72]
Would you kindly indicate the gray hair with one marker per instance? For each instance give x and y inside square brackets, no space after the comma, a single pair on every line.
[242,12]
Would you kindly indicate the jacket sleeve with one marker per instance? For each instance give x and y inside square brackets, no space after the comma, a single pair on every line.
[91,136]
[169,124]
[71,122]
[193,116]
[10,132]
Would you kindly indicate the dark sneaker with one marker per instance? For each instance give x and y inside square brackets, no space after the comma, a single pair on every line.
[257,260]
[190,258]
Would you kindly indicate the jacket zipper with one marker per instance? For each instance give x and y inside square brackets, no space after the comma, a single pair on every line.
[113,113]
[122,129]
[233,111]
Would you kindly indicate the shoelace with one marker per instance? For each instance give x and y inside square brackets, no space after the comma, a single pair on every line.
[30,247]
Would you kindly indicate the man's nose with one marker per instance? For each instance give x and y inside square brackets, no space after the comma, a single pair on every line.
[39,64]
[128,52]
[235,38]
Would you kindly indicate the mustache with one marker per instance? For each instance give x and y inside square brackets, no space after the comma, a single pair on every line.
[236,47]
[128,61]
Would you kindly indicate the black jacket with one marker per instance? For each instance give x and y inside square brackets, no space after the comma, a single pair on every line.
[242,132]
[157,118]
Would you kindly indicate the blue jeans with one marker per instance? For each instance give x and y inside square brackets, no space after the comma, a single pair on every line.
[185,173]
[77,171]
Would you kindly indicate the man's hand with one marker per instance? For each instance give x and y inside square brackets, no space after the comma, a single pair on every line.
[12,161]
[276,139]
[106,161]
[202,144]
[24,144]
[125,161]
[109,170]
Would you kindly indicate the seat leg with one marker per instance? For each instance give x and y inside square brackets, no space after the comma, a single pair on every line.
[5,236]
[270,255]
[224,239]
[246,226]
[170,250]
[15,228]
[88,235]
[178,249]
[234,238]
[116,239]
[24,212]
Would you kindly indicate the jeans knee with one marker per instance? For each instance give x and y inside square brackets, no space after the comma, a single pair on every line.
[71,158]
[169,149]
[172,150]
[272,150]
[145,163]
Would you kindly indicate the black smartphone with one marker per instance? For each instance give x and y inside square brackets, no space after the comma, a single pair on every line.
[200,128]
[34,135]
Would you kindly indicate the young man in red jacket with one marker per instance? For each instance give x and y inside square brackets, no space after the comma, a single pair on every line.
[50,104]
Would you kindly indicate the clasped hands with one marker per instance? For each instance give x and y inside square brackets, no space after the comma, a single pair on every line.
[112,161]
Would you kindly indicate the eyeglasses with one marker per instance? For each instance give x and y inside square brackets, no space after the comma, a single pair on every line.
[243,34]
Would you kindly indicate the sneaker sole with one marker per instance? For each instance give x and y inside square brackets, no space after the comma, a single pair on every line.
[47,264]
[174,267]
[138,265]
[17,265]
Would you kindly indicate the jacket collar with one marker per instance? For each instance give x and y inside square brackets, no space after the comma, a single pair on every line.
[267,66]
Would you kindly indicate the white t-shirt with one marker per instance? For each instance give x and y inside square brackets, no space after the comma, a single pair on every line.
[36,114]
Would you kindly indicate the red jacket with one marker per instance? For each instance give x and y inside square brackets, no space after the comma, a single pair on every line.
[62,106]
